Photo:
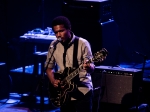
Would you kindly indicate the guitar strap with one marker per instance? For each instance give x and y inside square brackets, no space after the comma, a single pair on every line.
[75,53]
[76,94]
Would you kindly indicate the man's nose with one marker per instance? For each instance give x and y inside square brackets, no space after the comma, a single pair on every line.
[58,34]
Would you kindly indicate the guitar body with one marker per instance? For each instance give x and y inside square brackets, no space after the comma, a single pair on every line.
[59,96]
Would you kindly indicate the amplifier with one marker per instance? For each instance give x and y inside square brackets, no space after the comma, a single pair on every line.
[117,85]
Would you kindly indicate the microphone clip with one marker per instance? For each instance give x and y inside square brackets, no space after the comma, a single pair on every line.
[55,43]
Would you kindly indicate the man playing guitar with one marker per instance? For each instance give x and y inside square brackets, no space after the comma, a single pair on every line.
[73,91]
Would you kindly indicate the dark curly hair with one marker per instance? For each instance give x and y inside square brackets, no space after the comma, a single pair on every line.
[61,20]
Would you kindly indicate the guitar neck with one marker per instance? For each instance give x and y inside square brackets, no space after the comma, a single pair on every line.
[73,74]
[97,57]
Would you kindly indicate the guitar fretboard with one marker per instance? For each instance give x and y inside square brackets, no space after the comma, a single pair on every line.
[73,74]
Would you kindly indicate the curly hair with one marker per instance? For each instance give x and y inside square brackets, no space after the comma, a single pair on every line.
[61,20]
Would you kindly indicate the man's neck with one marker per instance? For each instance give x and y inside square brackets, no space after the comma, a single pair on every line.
[68,39]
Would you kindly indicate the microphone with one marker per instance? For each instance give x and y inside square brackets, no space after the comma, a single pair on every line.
[55,43]
[136,52]
[140,54]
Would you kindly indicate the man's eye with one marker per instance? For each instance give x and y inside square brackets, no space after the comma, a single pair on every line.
[61,30]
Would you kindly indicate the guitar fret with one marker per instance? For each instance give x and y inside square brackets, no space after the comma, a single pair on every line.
[72,75]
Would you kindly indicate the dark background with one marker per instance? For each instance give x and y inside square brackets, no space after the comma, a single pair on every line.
[129,32]
[131,23]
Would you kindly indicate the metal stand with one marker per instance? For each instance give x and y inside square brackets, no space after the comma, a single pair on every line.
[42,84]
[143,68]
[100,91]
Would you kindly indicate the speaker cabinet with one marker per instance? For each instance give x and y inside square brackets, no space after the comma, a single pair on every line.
[117,85]
[110,41]
[86,18]
[87,11]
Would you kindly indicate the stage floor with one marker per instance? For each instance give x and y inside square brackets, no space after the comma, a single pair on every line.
[20,99]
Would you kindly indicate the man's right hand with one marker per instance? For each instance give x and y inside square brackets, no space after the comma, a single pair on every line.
[55,82]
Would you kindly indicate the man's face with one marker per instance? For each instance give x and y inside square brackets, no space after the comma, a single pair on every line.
[61,32]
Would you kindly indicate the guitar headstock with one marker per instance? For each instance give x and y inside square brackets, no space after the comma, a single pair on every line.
[100,55]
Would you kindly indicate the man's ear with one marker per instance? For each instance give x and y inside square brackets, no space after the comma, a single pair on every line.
[69,30]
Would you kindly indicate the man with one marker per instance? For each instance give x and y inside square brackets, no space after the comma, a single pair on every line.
[62,53]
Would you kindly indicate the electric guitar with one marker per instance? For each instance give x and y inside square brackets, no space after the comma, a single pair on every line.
[59,95]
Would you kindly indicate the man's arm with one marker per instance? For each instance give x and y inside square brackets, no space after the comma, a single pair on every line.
[89,67]
[50,74]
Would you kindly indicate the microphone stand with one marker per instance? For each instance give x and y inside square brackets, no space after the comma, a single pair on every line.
[143,68]
[144,62]
[42,81]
